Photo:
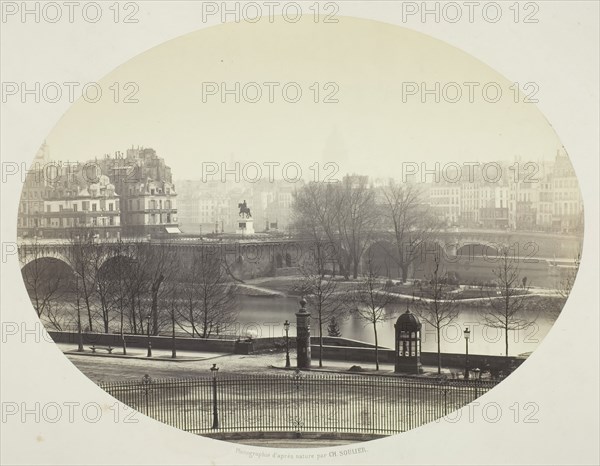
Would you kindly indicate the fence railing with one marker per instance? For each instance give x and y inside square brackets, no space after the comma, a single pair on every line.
[297,402]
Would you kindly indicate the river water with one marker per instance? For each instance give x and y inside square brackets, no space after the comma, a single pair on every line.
[264,317]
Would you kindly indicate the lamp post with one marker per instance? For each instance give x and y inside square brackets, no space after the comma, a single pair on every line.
[467,335]
[149,341]
[286,326]
[214,369]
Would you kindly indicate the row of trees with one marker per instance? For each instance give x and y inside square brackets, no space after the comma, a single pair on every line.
[341,219]
[506,306]
[132,287]
[347,214]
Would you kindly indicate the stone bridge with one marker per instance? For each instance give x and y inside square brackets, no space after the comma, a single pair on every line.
[249,258]
[522,244]
[245,258]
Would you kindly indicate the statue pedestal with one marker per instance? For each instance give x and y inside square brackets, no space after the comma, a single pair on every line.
[245,227]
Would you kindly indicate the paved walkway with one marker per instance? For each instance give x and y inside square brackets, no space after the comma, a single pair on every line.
[104,367]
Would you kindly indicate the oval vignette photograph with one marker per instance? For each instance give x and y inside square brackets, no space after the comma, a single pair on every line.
[316,234]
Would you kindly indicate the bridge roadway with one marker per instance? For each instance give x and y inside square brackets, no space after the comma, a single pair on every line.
[257,255]
[447,236]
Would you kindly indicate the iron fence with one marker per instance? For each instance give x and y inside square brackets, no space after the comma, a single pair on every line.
[300,402]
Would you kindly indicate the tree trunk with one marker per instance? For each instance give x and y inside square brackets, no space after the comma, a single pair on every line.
[154,313]
[320,340]
[205,325]
[133,319]
[87,304]
[105,318]
[173,341]
[376,347]
[122,325]
[79,334]
[155,288]
[506,341]
[439,351]
[404,268]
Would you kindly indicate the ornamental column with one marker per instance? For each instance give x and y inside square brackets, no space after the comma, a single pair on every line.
[303,336]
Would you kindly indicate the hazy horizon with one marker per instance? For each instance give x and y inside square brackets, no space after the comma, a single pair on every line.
[374,125]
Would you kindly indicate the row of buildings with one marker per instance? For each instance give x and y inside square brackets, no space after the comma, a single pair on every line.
[128,194]
[546,199]
[133,194]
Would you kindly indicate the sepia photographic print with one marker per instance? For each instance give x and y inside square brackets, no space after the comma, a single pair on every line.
[299,232]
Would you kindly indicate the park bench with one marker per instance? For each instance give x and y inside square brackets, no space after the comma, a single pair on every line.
[108,349]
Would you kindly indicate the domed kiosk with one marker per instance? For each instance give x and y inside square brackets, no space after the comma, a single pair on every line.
[408,344]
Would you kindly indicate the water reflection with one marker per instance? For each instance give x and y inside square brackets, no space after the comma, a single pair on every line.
[265,316]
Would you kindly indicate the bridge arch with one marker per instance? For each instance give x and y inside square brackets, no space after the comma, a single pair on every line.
[111,264]
[46,277]
[27,258]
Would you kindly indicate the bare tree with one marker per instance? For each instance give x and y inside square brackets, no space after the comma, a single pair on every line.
[439,307]
[120,270]
[320,291]
[99,252]
[82,249]
[370,299]
[77,307]
[172,304]
[567,281]
[44,281]
[412,224]
[315,215]
[356,219]
[160,262]
[506,309]
[136,276]
[208,293]
[342,213]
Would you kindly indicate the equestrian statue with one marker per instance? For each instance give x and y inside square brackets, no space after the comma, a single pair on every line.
[244,210]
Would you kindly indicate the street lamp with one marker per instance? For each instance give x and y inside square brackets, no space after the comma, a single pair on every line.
[149,341]
[214,369]
[286,326]
[467,335]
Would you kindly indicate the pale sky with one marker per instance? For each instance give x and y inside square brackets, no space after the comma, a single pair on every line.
[369,131]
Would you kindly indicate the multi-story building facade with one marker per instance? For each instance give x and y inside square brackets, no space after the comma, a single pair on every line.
[148,196]
[93,209]
[205,207]
[131,195]
[542,196]
[568,204]
[149,208]
[545,203]
[35,189]
[523,205]
[445,200]
[494,202]
[470,204]
[279,207]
